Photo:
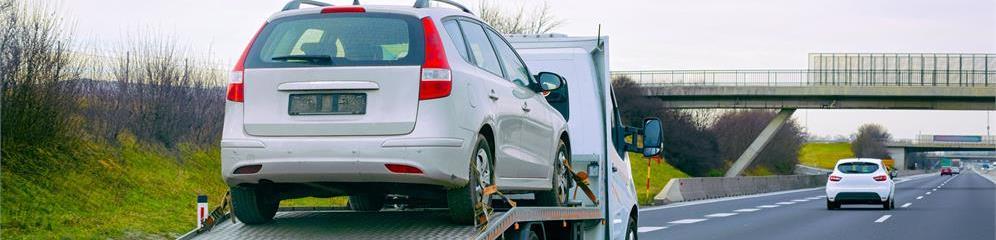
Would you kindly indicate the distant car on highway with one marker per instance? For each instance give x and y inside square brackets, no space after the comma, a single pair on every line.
[946,171]
[955,170]
[367,101]
[860,181]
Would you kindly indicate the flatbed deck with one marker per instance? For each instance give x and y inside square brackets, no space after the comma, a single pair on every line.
[387,224]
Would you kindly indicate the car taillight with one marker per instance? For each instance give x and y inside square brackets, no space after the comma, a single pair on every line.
[401,168]
[236,91]
[343,9]
[835,178]
[881,178]
[435,81]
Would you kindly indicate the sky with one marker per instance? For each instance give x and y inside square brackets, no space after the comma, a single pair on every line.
[644,35]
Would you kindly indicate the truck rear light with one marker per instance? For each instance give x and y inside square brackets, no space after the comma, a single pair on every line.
[881,178]
[248,169]
[236,91]
[401,168]
[435,81]
[835,178]
[343,9]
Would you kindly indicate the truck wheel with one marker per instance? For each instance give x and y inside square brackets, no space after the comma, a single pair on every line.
[631,229]
[253,204]
[562,181]
[462,200]
[366,202]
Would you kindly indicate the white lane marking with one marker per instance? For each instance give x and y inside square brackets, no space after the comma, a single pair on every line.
[883,218]
[906,205]
[919,197]
[800,200]
[648,229]
[785,203]
[687,221]
[814,198]
[700,202]
[718,215]
[747,210]
[768,206]
[934,189]
[928,193]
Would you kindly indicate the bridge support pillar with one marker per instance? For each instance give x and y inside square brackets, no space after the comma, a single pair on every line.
[899,155]
[760,142]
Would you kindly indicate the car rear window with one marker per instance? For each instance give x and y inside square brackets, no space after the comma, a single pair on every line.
[341,39]
[857,167]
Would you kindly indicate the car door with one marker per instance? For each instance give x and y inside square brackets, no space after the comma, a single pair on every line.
[623,193]
[501,100]
[538,137]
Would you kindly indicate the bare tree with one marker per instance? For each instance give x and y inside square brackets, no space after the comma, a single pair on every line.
[524,20]
[870,142]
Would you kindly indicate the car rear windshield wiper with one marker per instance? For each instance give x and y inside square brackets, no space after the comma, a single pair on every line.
[309,58]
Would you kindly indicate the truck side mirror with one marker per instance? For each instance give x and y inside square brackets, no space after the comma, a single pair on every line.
[549,81]
[652,136]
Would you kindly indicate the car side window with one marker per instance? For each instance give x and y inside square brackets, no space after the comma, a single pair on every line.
[515,70]
[480,48]
[453,29]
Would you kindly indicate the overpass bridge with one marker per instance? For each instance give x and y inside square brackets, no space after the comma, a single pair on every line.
[929,81]
[901,150]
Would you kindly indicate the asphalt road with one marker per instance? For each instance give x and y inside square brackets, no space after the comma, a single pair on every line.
[931,207]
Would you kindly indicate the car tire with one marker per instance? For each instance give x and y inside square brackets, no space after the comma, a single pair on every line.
[462,201]
[829,205]
[887,204]
[562,181]
[366,202]
[254,204]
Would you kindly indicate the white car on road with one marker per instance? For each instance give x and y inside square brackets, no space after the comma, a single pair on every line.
[365,101]
[860,181]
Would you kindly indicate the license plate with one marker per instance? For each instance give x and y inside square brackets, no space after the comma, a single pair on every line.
[327,104]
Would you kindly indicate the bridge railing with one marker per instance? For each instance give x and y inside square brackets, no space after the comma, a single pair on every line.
[926,78]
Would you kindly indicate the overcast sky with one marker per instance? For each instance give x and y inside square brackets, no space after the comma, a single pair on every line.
[644,35]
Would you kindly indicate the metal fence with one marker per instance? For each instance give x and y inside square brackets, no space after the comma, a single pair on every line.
[921,77]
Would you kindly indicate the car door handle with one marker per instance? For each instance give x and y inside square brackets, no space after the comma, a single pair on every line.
[493,96]
[614,169]
[525,107]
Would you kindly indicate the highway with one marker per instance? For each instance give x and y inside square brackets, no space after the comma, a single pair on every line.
[927,207]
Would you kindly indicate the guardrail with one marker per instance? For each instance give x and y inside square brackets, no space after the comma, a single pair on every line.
[690,189]
[912,78]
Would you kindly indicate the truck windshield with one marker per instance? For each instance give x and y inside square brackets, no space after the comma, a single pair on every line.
[347,39]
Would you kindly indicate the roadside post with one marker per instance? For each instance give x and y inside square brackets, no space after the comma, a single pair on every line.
[202,208]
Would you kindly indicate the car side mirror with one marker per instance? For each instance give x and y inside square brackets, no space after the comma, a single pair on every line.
[549,81]
[893,174]
[652,137]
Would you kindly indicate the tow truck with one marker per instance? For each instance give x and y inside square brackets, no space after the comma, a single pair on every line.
[607,210]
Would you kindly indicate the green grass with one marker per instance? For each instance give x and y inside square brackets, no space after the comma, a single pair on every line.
[122,190]
[99,190]
[824,155]
[660,174]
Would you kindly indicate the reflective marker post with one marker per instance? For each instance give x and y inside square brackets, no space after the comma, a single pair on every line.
[202,210]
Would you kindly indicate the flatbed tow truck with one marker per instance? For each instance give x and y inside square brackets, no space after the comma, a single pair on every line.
[607,211]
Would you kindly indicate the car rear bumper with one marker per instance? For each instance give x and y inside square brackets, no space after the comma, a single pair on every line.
[859,195]
[443,161]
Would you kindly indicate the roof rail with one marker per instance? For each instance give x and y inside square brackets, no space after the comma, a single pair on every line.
[425,4]
[296,4]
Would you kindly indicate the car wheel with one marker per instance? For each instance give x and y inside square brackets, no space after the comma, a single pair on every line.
[366,202]
[254,205]
[887,204]
[829,205]
[462,201]
[562,181]
[631,229]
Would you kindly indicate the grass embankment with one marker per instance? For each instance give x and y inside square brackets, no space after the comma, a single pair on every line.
[824,155]
[660,174]
[98,190]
